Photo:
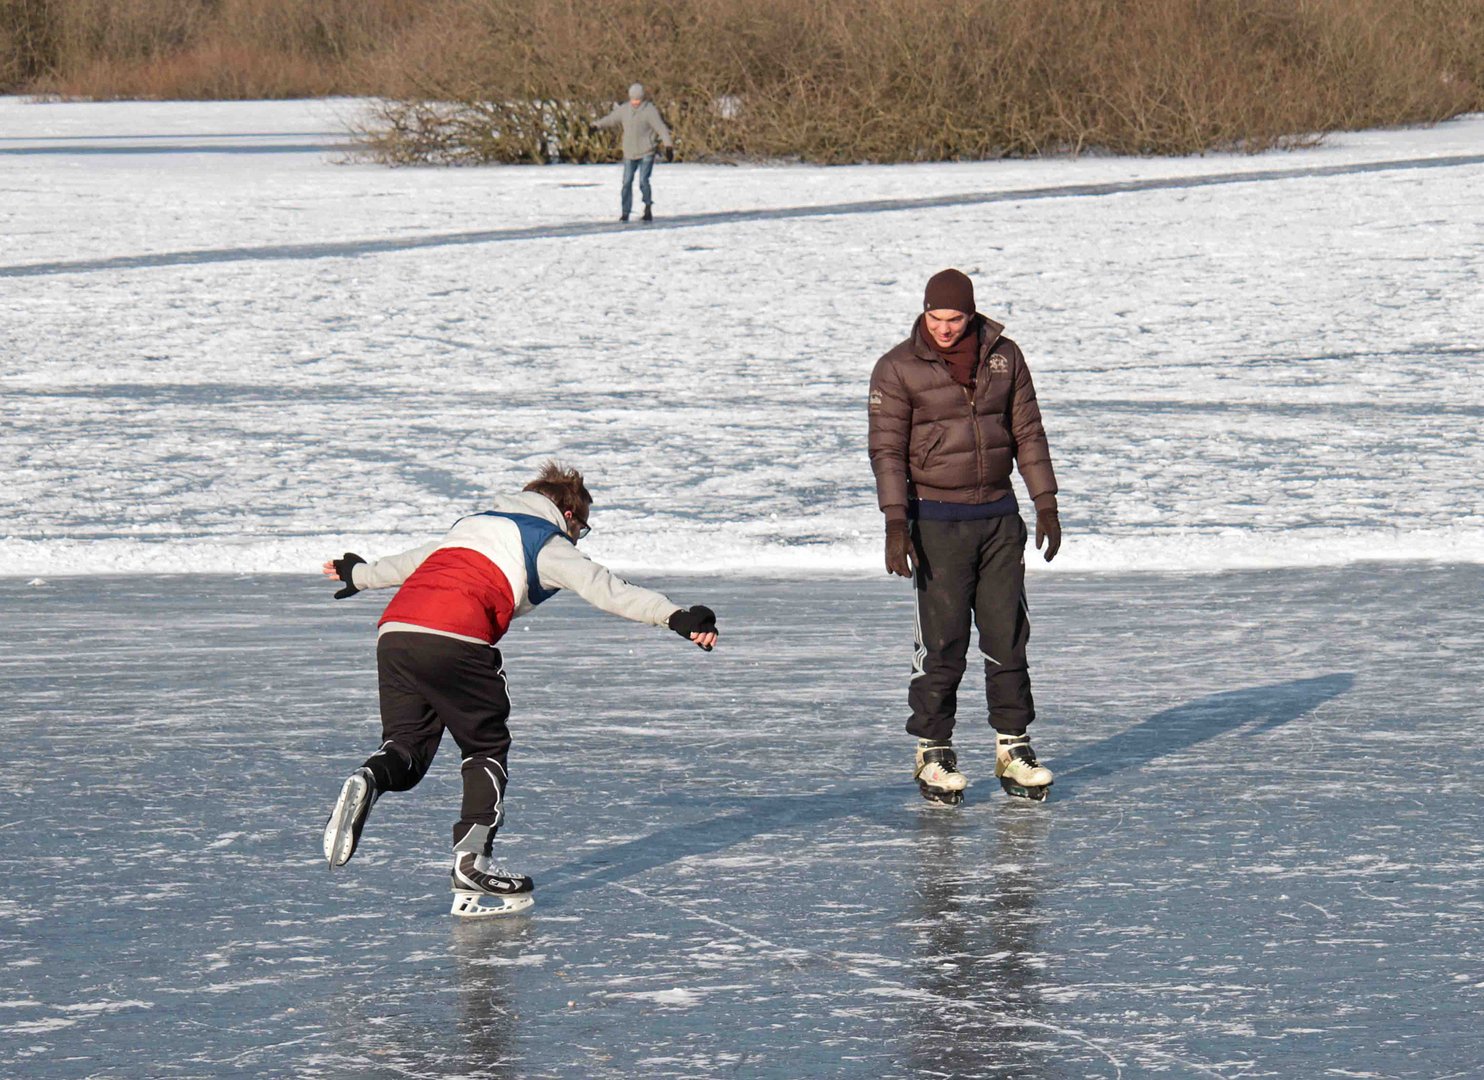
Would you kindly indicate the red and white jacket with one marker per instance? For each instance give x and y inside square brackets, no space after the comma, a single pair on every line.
[490,568]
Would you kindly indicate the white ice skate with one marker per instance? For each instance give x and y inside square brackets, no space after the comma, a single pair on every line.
[937,773]
[1020,773]
[481,891]
[343,829]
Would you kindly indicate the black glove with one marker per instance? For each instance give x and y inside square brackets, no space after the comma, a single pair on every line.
[695,620]
[343,568]
[669,153]
[1048,528]
[899,554]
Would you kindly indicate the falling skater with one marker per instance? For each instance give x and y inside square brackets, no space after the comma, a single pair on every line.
[643,131]
[437,666]
[950,408]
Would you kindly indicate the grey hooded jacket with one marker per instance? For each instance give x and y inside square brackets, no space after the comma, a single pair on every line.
[642,127]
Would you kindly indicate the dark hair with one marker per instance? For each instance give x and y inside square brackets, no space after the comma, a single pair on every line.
[562,486]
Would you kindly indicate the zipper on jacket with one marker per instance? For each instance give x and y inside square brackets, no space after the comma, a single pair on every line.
[978,453]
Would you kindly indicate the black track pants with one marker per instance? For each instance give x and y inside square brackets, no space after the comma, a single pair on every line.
[429,683]
[970,569]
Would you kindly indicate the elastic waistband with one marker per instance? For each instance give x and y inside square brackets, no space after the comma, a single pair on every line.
[933,510]
[413,628]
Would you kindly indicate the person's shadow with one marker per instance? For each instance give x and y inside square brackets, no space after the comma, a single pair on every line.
[1167,732]
[1173,730]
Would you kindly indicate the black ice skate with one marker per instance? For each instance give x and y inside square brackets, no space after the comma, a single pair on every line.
[1021,775]
[937,773]
[343,829]
[481,890]
[648,213]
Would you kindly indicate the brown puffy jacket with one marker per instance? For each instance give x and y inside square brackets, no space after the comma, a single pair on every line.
[931,438]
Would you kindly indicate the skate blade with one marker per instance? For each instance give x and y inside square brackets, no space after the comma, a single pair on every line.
[1020,791]
[478,905]
[340,834]
[938,797]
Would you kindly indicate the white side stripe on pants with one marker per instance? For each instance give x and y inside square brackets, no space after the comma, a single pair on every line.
[919,650]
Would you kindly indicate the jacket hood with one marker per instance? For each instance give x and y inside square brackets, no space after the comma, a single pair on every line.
[529,502]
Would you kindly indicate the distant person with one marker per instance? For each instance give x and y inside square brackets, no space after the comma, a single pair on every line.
[643,131]
[438,668]
[950,408]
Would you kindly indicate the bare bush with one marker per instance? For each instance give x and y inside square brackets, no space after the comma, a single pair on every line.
[825,80]
[27,42]
[200,48]
[921,80]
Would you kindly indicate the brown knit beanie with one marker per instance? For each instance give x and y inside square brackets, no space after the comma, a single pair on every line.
[949,290]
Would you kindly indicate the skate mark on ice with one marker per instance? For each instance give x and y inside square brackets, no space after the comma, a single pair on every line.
[879,803]
[850,966]
[1184,726]
[786,954]
[997,1007]
[353,248]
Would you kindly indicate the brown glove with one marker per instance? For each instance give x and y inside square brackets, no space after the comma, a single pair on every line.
[1048,528]
[899,555]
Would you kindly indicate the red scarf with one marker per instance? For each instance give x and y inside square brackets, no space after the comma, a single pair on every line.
[962,357]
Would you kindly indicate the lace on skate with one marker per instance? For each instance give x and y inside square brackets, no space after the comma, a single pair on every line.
[490,892]
[937,775]
[1025,754]
[1018,752]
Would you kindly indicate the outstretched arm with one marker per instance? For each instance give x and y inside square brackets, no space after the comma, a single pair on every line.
[358,574]
[614,118]
[560,565]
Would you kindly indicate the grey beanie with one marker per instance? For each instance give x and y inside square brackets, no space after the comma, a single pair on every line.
[636,91]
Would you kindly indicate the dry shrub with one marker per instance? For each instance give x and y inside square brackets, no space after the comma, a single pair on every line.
[208,72]
[822,80]
[200,48]
[27,42]
[926,80]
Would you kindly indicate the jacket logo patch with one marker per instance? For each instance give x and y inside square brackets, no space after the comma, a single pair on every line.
[875,400]
[998,365]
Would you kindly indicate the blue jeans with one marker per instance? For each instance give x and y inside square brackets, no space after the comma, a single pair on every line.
[643,166]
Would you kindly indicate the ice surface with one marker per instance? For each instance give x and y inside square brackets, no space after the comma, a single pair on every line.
[1262,856]
[1281,372]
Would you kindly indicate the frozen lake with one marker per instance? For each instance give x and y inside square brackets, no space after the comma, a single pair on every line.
[1263,856]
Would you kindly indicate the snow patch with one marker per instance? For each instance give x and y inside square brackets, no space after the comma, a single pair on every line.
[1214,388]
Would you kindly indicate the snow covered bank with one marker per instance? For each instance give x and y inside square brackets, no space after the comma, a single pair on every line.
[748,549]
[1284,372]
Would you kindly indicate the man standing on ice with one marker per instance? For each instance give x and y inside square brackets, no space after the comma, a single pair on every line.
[437,666]
[950,408]
[643,131]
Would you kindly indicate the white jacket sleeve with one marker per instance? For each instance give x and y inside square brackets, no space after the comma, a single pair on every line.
[562,566]
[391,570]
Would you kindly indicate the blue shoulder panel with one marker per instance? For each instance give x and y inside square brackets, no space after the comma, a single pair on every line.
[534,533]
